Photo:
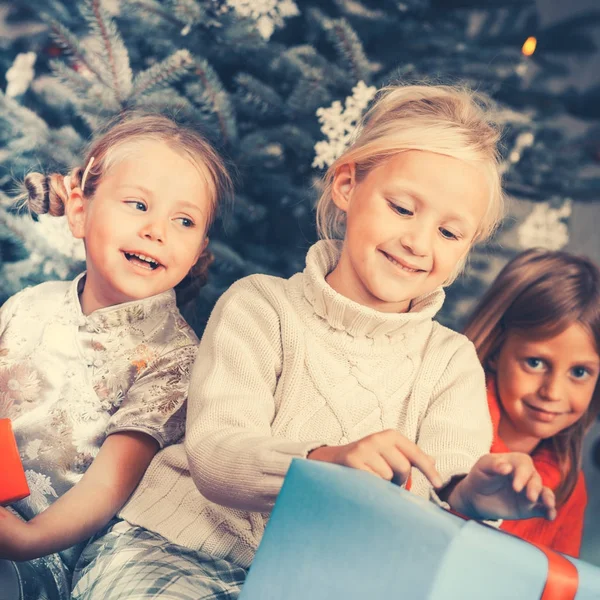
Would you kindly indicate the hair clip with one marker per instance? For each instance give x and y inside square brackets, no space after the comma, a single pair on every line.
[85,173]
[67,184]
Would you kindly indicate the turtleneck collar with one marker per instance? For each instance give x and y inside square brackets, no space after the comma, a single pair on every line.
[127,313]
[343,314]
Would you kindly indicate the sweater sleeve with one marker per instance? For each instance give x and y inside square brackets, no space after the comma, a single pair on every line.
[569,533]
[233,457]
[456,429]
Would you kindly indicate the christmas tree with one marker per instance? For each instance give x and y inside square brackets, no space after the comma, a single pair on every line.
[278,86]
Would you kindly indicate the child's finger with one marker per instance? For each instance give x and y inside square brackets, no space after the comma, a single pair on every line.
[423,462]
[548,500]
[398,462]
[500,468]
[534,487]
[378,465]
[523,471]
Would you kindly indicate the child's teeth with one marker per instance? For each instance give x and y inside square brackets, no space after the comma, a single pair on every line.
[401,266]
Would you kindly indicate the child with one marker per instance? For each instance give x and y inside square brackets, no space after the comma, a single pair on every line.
[94,372]
[340,363]
[537,333]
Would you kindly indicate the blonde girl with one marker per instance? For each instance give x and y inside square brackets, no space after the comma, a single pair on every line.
[94,372]
[537,333]
[340,363]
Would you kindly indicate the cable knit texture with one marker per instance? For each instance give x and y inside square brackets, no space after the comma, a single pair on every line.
[286,366]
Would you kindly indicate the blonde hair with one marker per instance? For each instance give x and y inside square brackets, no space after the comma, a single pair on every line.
[117,140]
[434,118]
[540,293]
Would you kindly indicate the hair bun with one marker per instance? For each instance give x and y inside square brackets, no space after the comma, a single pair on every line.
[37,199]
[45,194]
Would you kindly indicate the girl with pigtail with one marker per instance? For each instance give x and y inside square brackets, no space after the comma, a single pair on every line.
[537,334]
[94,372]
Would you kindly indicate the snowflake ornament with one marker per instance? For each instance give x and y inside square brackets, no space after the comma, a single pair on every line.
[21,74]
[545,227]
[268,14]
[339,124]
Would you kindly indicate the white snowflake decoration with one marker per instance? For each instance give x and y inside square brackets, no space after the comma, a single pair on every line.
[21,74]
[545,227]
[339,124]
[524,140]
[268,14]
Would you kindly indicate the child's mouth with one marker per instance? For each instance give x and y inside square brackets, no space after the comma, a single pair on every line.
[400,265]
[541,414]
[141,260]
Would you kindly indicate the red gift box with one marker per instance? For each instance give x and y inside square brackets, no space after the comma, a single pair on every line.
[13,483]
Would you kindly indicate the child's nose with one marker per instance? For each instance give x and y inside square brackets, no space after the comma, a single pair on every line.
[551,388]
[155,231]
[417,239]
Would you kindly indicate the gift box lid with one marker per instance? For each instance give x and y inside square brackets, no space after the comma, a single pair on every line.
[337,532]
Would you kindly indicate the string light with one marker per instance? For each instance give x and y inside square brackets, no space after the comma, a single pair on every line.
[529,46]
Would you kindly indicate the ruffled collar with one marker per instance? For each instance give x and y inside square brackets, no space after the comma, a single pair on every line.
[357,320]
[118,315]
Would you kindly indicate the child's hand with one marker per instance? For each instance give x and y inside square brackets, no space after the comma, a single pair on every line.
[387,454]
[14,537]
[503,486]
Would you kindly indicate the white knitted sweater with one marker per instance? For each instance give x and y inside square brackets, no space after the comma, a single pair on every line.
[285,366]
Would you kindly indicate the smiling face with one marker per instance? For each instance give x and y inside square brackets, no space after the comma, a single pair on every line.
[544,385]
[144,228]
[409,225]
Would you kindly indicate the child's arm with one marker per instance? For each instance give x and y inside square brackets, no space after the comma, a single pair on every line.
[503,486]
[233,457]
[85,508]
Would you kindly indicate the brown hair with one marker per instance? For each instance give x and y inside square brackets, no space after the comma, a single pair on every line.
[543,292]
[48,194]
[449,120]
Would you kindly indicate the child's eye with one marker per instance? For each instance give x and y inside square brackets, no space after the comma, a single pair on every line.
[401,210]
[187,223]
[533,363]
[448,234]
[580,372]
[137,204]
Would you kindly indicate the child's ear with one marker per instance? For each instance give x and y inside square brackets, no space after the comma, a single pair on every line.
[492,362]
[202,248]
[344,182]
[75,212]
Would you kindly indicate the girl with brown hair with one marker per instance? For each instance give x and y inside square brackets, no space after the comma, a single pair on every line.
[537,334]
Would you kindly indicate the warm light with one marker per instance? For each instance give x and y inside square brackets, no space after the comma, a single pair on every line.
[529,46]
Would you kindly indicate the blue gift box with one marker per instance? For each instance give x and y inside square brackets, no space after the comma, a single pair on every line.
[341,533]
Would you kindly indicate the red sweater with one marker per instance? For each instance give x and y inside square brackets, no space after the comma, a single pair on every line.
[564,533]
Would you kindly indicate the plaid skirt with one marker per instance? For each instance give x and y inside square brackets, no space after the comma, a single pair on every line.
[129,562]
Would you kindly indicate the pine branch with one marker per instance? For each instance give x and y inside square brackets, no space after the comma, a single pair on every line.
[258,100]
[69,42]
[78,84]
[156,9]
[168,101]
[163,73]
[111,49]
[189,12]
[348,45]
[208,91]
